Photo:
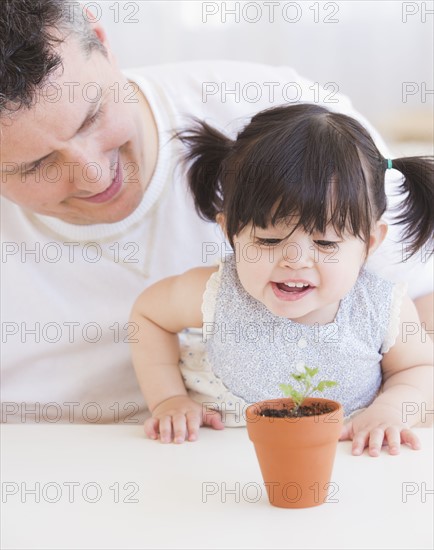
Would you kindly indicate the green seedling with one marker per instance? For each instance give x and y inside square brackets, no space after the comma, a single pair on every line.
[305,380]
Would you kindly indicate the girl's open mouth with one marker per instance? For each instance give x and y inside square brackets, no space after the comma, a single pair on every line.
[291,291]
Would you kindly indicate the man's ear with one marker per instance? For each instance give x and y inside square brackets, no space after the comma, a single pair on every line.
[378,234]
[98,29]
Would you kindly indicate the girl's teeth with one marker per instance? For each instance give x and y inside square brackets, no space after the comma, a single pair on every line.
[298,285]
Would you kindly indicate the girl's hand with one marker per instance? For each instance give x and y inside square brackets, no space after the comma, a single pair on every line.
[378,425]
[179,418]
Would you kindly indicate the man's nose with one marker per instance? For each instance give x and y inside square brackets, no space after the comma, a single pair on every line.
[87,171]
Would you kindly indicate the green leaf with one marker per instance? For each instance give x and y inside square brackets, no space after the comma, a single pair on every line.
[305,381]
[286,389]
[325,384]
[311,372]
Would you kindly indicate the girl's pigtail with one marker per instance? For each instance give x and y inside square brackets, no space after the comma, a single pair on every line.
[207,150]
[417,215]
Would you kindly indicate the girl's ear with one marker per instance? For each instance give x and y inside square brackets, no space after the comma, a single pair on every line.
[221,220]
[378,234]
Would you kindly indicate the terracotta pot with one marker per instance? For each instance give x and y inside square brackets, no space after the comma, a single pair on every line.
[295,455]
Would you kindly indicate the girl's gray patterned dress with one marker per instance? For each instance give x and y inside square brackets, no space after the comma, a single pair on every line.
[251,351]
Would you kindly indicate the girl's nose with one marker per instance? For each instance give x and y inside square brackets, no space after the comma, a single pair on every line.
[295,256]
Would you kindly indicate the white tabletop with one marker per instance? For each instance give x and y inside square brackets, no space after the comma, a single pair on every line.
[207,494]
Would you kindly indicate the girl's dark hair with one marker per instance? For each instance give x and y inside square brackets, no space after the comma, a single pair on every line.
[305,161]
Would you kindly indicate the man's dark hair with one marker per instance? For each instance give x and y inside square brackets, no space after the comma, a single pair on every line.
[30,30]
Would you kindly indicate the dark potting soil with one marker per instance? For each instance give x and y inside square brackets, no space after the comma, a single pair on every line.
[313,409]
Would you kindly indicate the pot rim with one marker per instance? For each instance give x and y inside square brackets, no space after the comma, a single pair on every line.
[252,409]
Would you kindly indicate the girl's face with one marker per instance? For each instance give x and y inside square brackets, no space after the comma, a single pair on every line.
[300,276]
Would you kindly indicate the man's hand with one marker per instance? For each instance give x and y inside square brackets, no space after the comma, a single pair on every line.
[179,418]
[378,425]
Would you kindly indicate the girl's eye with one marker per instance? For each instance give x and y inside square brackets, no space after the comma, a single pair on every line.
[268,242]
[327,244]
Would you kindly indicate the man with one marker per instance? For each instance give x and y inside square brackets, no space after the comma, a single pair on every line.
[95,205]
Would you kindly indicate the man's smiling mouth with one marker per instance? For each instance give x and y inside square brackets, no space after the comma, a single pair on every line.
[111,191]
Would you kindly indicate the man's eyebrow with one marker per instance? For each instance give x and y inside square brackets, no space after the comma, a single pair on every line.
[90,113]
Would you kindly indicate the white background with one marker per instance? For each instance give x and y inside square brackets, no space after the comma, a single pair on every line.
[368,48]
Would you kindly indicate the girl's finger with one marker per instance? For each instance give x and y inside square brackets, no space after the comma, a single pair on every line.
[393,438]
[166,429]
[360,441]
[179,428]
[376,438]
[193,425]
[213,418]
[410,438]
[151,427]
[216,422]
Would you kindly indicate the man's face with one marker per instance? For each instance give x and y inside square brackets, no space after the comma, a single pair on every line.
[94,171]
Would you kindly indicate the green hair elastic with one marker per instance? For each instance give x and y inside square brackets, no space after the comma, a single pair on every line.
[389,164]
